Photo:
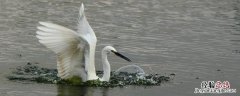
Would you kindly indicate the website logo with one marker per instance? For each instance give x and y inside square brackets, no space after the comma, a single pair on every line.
[215,87]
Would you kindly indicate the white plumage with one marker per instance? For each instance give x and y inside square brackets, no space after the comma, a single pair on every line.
[75,49]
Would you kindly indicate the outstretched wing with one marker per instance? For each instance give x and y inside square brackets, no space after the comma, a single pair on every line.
[68,46]
[85,30]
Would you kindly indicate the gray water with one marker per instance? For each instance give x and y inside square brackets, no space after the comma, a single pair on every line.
[198,40]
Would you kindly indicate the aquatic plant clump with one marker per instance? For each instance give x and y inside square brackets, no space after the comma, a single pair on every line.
[32,72]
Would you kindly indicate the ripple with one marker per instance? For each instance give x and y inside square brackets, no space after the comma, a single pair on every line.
[34,73]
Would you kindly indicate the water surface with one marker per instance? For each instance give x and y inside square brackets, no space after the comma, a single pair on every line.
[196,40]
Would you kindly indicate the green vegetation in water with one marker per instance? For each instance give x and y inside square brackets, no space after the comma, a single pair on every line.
[32,72]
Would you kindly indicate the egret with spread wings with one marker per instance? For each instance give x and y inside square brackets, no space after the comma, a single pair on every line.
[75,49]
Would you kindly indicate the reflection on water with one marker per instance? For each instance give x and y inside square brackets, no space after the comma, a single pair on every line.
[64,90]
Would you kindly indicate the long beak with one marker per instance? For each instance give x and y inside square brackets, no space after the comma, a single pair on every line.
[120,55]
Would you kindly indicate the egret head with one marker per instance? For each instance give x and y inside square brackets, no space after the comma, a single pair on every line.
[110,49]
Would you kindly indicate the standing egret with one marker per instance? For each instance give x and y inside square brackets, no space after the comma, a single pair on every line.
[75,49]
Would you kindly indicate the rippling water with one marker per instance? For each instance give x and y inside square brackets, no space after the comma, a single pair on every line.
[198,40]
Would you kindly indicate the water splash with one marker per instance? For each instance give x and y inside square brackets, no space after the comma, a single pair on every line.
[34,73]
[130,69]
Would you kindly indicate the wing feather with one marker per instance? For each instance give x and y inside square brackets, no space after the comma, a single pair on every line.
[74,49]
[85,30]
[66,44]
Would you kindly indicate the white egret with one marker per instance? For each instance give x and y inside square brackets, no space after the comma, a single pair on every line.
[75,49]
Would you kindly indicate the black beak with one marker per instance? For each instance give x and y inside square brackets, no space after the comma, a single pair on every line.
[120,55]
